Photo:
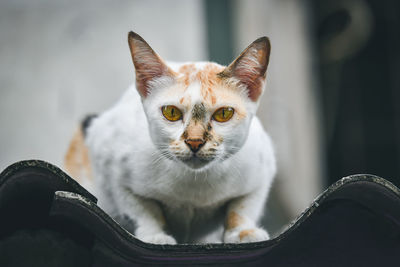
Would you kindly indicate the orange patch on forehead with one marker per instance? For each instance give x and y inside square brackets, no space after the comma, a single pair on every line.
[213,99]
[213,89]
[187,69]
[206,76]
[187,74]
[209,80]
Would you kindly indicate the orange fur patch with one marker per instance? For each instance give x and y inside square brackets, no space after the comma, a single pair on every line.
[207,77]
[209,80]
[234,220]
[187,72]
[214,89]
[246,233]
[76,160]
[213,100]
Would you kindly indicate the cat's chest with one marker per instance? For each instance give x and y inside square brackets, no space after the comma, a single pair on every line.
[195,190]
[188,223]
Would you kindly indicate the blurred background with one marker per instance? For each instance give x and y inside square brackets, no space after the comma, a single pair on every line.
[331,103]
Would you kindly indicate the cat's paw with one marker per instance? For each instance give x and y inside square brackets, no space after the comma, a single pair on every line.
[160,238]
[245,235]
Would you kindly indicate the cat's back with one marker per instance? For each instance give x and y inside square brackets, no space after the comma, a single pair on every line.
[102,139]
[116,136]
[120,125]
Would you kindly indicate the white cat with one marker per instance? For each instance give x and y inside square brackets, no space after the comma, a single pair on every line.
[182,153]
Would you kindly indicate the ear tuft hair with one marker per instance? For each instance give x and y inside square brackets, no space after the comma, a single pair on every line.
[250,67]
[148,65]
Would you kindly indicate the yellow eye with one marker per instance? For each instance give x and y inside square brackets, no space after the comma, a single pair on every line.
[171,113]
[223,114]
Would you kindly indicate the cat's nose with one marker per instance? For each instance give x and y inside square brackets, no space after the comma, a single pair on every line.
[194,144]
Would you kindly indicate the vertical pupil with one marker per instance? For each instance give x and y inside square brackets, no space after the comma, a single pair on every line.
[223,113]
[172,111]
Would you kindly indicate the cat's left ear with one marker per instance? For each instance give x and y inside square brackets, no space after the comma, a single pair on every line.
[148,65]
[250,67]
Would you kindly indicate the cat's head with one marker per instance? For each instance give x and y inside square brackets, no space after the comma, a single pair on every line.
[199,113]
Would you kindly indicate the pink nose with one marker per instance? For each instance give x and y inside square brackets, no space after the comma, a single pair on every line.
[194,144]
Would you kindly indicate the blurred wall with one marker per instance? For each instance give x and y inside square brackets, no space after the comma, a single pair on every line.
[289,108]
[358,42]
[60,60]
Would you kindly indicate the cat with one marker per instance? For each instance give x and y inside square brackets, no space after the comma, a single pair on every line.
[182,153]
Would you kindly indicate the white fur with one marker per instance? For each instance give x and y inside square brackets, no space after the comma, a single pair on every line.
[134,177]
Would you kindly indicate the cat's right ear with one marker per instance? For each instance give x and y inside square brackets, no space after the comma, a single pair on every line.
[249,69]
[148,65]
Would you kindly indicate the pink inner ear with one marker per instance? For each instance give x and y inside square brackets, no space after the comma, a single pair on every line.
[146,70]
[250,67]
[148,65]
[251,74]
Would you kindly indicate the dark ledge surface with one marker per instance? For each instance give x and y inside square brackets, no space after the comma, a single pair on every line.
[48,219]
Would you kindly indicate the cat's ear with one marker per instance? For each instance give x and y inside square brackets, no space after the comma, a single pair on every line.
[249,69]
[148,65]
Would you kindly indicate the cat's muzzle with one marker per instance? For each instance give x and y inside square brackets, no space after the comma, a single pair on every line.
[194,144]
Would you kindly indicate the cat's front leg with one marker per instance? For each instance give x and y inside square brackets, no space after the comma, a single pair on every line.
[241,217]
[148,216]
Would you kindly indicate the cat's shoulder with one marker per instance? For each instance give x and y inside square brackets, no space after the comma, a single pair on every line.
[122,118]
[258,138]
[257,128]
[258,151]
[127,106]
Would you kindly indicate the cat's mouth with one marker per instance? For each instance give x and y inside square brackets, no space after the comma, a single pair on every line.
[195,161]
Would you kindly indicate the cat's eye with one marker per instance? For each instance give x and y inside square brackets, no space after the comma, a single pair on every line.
[223,114]
[171,113]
